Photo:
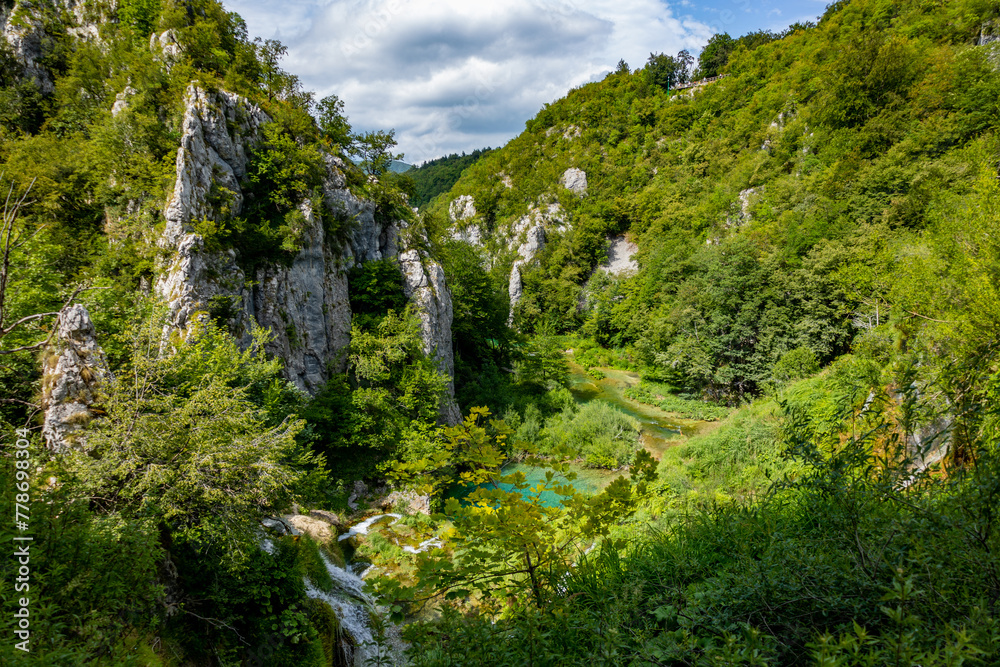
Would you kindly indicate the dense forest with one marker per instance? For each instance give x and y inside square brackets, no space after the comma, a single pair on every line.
[437,176]
[700,369]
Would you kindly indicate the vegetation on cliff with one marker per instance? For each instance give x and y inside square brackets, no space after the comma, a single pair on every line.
[817,281]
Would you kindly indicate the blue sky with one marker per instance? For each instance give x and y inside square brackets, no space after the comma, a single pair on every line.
[452,76]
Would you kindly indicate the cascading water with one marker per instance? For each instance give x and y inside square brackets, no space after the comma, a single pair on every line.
[359,616]
[372,640]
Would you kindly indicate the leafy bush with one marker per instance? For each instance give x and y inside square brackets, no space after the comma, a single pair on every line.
[662,396]
[602,435]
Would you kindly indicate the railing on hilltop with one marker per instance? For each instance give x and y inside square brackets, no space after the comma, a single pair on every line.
[700,82]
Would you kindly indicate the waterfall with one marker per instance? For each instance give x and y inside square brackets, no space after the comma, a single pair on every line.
[359,617]
[362,528]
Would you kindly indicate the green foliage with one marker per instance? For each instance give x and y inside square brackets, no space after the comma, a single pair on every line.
[282,175]
[333,123]
[480,334]
[198,441]
[375,289]
[541,363]
[93,578]
[714,57]
[437,176]
[599,433]
[508,543]
[662,396]
[375,151]
[854,559]
[795,365]
[141,15]
[666,72]
[389,398]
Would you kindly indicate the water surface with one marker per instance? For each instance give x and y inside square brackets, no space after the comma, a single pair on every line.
[660,429]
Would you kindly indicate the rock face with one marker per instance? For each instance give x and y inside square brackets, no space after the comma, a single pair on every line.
[575,180]
[210,156]
[529,235]
[462,208]
[24,30]
[71,376]
[621,257]
[471,235]
[27,29]
[989,32]
[424,284]
[743,216]
[515,290]
[304,304]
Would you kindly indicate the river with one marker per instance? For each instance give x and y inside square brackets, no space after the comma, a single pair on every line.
[660,429]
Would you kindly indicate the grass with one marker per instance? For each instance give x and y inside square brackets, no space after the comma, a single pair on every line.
[658,395]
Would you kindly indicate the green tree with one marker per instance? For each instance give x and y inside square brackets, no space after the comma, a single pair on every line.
[715,55]
[333,122]
[667,72]
[542,363]
[375,151]
[506,542]
[200,441]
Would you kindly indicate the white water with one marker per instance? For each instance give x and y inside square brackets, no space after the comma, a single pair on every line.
[434,543]
[354,607]
[362,528]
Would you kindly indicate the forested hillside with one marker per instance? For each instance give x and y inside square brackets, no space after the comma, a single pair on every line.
[688,373]
[814,237]
[438,176]
[773,208]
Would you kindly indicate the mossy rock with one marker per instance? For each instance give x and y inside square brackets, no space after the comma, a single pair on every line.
[312,564]
[324,619]
[334,551]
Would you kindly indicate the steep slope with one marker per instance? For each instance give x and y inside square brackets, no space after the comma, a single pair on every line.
[230,239]
[766,206]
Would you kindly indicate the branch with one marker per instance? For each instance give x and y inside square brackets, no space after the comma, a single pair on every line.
[25,320]
[14,400]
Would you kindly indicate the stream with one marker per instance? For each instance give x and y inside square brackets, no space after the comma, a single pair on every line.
[358,612]
[660,429]
[359,616]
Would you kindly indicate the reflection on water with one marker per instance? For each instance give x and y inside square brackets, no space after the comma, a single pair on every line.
[660,429]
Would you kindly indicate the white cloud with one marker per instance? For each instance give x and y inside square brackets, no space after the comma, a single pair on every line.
[449,75]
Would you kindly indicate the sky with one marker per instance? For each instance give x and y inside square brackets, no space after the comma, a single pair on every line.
[455,75]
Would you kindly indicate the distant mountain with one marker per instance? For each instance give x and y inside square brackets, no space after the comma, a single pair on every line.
[400,167]
[396,167]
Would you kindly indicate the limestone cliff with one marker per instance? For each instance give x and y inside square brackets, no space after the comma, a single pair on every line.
[305,304]
[425,287]
[516,243]
[32,29]
[73,371]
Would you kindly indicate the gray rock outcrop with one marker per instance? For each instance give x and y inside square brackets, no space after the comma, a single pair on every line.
[575,180]
[24,30]
[472,235]
[989,32]
[166,47]
[462,208]
[26,27]
[528,233]
[515,290]
[621,257]
[424,284]
[745,201]
[72,374]
[304,303]
[212,158]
